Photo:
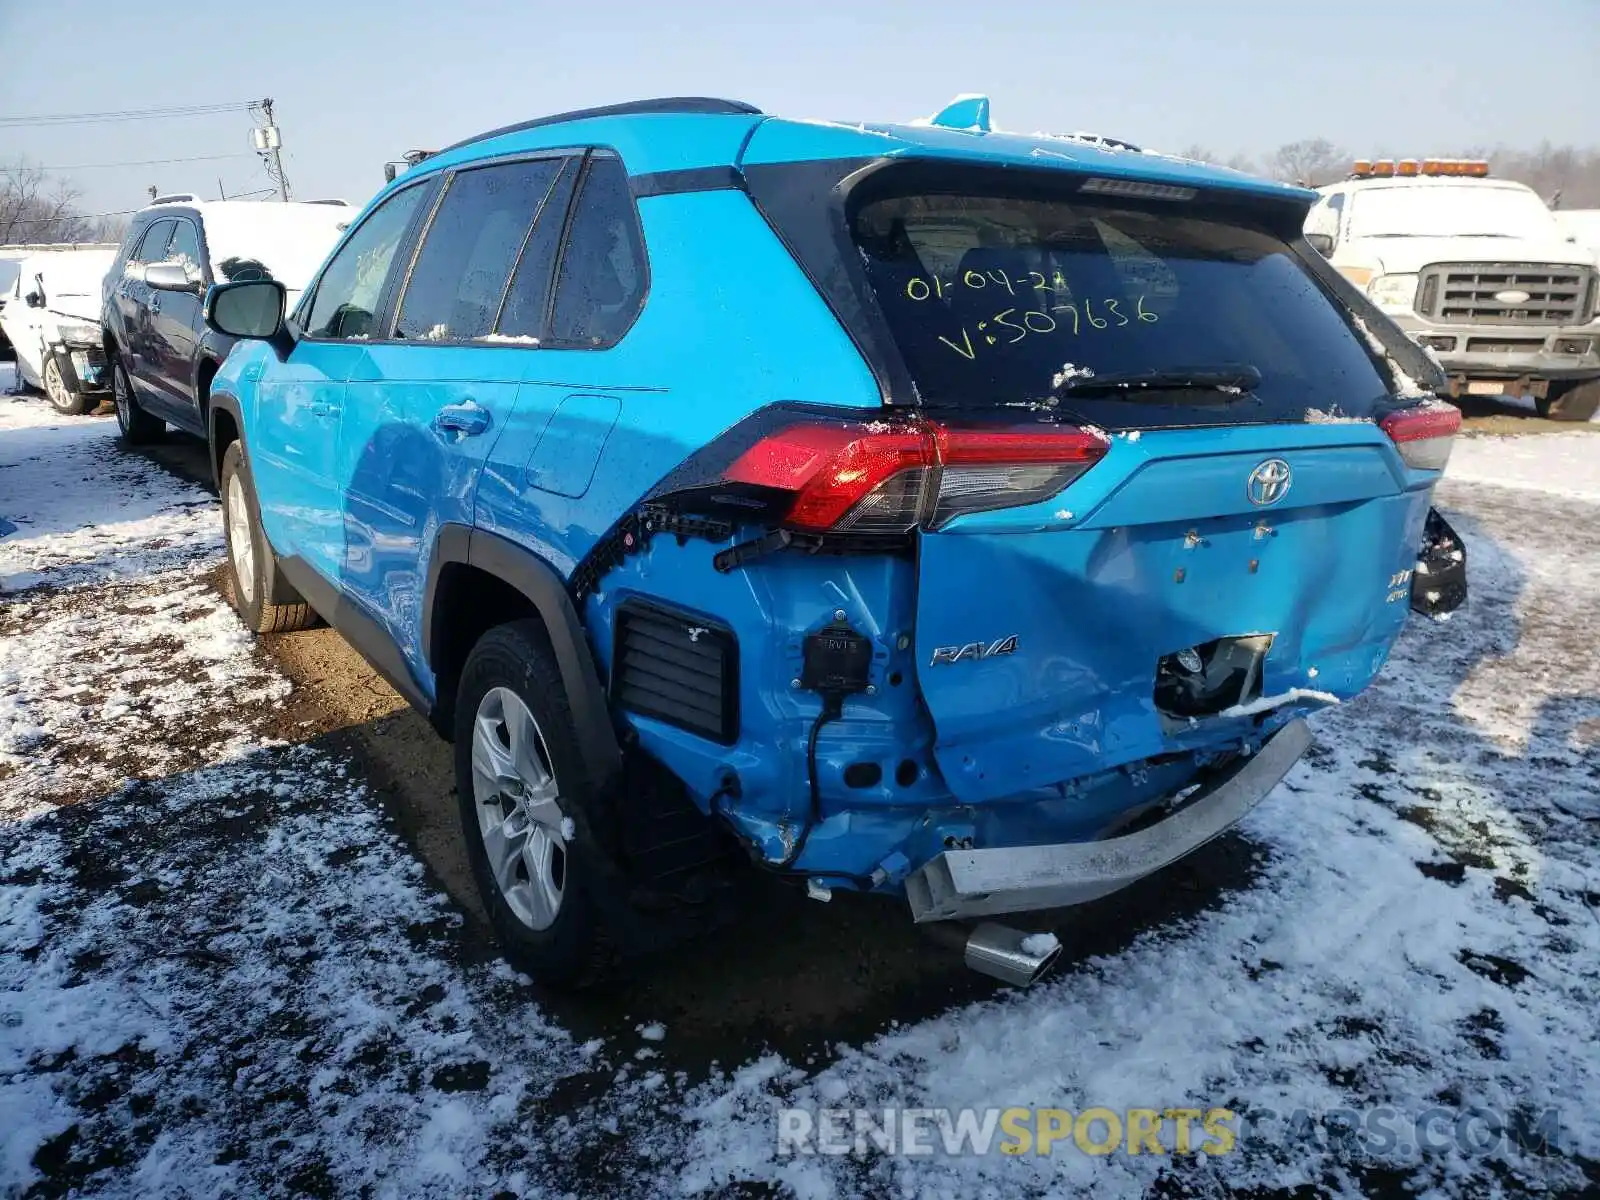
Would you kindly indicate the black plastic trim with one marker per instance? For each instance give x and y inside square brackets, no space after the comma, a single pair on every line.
[709,632]
[667,104]
[538,582]
[223,402]
[691,179]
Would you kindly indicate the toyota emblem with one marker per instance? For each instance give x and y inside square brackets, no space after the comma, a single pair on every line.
[1269,482]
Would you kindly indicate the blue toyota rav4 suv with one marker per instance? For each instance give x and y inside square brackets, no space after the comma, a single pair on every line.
[922,510]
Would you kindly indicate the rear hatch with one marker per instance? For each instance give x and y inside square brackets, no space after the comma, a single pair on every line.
[1232,535]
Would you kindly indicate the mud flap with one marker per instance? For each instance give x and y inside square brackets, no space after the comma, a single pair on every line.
[1439,586]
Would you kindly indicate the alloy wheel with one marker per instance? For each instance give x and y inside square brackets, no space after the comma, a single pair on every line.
[241,546]
[121,398]
[519,813]
[54,387]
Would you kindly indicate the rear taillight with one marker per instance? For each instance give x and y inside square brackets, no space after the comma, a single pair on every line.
[1424,434]
[881,478]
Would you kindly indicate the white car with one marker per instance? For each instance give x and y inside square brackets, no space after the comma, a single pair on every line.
[1475,269]
[51,316]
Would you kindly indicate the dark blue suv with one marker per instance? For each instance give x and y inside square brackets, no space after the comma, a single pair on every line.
[919,510]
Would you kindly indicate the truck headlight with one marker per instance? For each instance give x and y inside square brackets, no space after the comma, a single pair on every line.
[79,335]
[1393,293]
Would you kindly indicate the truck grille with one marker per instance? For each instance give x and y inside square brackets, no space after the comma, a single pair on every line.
[1470,294]
[677,667]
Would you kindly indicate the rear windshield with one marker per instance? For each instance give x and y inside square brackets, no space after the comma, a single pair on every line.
[991,300]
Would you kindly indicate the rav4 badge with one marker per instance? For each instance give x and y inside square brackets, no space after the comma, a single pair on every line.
[973,651]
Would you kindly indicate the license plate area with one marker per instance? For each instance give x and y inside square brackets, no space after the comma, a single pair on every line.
[1210,678]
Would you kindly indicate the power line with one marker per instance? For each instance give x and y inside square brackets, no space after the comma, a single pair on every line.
[142,162]
[128,114]
[121,212]
[124,212]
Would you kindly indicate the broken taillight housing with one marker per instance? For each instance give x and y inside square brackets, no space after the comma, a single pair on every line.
[881,477]
[1424,434]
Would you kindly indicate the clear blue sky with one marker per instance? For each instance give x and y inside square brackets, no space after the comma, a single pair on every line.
[357,82]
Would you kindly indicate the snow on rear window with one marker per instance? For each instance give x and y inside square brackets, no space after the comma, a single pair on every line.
[288,240]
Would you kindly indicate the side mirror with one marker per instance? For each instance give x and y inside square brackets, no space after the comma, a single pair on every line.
[388,172]
[1322,243]
[34,299]
[168,277]
[251,308]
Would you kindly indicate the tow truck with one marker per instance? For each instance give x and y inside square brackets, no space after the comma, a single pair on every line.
[1476,270]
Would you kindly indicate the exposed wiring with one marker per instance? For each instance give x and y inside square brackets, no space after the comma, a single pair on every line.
[832,709]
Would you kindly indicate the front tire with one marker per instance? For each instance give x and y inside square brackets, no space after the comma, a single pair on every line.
[1572,402]
[264,600]
[529,812]
[61,398]
[138,427]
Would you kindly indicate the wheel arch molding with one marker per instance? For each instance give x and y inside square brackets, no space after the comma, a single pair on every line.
[537,583]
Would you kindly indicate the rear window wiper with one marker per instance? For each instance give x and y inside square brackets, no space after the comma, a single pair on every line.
[1235,381]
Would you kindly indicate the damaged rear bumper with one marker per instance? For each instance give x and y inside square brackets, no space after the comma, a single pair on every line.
[958,884]
[1439,584]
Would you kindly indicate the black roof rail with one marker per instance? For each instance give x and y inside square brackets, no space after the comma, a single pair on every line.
[670,104]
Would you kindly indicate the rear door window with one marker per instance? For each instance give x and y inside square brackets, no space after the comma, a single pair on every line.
[528,298]
[991,299]
[601,284]
[471,246]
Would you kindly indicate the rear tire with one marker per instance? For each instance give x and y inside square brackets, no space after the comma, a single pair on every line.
[62,399]
[138,427]
[530,815]
[252,566]
[1571,402]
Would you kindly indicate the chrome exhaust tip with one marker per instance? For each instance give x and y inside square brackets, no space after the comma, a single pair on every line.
[1013,956]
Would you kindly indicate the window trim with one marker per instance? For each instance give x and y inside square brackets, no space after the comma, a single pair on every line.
[448,178]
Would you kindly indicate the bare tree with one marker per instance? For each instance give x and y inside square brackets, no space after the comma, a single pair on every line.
[1312,162]
[37,207]
[1237,162]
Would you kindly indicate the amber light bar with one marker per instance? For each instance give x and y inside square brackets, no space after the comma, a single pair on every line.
[1387,168]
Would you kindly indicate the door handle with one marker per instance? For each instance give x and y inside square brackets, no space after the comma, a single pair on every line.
[321,408]
[467,419]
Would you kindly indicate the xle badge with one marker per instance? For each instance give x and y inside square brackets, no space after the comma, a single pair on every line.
[973,651]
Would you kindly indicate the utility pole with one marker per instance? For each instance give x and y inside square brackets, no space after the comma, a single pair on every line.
[268,142]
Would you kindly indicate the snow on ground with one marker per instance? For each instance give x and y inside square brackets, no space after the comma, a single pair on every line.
[1423,936]
[222,973]
[93,511]
[1565,464]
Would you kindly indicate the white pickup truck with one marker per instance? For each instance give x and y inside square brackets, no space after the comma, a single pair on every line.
[1475,269]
